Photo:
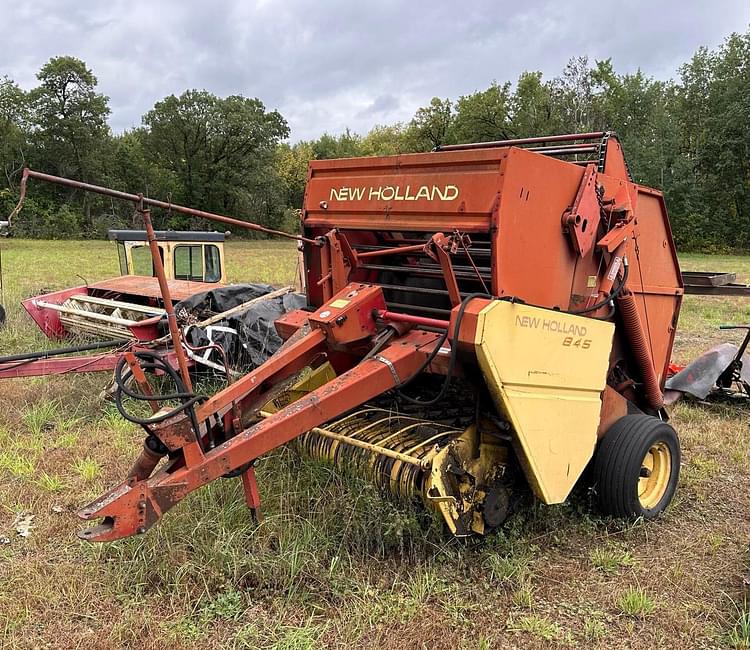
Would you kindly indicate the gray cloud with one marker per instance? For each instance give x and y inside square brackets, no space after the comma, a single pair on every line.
[382,105]
[336,64]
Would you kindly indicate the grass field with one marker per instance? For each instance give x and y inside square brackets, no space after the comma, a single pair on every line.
[333,564]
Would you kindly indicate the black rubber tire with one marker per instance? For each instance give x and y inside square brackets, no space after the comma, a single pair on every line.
[2,315]
[617,465]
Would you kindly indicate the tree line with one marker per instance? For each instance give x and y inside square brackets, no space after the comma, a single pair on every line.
[687,136]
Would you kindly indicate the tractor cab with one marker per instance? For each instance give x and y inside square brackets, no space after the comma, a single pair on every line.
[192,256]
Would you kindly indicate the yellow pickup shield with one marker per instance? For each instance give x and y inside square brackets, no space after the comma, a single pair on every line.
[546,370]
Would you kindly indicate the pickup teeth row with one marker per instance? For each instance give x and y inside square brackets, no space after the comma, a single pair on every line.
[414,437]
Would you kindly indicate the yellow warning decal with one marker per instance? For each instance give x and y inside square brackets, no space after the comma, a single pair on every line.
[340,303]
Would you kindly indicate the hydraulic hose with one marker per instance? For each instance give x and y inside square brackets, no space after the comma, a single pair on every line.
[46,354]
[612,295]
[454,353]
[154,362]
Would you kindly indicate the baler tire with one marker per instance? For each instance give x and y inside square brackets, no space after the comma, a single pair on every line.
[619,466]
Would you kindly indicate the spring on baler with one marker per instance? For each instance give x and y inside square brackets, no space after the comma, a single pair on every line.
[378,428]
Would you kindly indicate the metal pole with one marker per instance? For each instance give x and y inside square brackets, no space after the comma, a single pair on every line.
[141,200]
[166,296]
[522,141]
[2,291]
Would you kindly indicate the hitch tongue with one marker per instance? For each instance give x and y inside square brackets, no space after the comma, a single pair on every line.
[98,533]
[124,512]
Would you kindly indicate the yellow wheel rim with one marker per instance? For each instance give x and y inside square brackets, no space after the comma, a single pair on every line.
[656,468]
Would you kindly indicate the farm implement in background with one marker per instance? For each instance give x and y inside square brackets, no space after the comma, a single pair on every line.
[129,312]
[480,321]
[719,373]
[130,307]
[710,283]
[723,372]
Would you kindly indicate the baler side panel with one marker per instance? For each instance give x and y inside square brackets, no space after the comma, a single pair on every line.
[416,192]
[614,162]
[655,278]
[534,260]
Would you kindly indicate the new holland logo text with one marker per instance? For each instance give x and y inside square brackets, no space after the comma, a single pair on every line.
[550,325]
[395,193]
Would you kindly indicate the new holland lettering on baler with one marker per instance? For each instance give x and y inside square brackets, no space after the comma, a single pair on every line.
[481,320]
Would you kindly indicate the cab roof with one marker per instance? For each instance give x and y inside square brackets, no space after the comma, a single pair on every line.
[167,235]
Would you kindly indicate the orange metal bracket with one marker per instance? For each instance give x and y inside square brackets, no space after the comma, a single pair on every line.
[440,248]
[581,220]
[252,495]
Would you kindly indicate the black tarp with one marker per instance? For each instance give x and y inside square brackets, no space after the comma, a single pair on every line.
[248,338]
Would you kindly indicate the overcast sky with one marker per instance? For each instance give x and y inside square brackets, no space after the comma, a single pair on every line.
[327,65]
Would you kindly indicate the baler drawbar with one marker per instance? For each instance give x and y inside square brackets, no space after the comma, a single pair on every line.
[481,320]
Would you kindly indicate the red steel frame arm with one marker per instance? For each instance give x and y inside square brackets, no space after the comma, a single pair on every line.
[254,388]
[61,366]
[134,506]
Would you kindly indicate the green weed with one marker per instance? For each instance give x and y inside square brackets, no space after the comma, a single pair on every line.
[594,629]
[66,440]
[41,416]
[280,637]
[228,605]
[87,468]
[523,596]
[425,584]
[700,469]
[636,602]
[113,421]
[611,557]
[739,636]
[19,466]
[537,626]
[50,483]
[715,541]
[508,568]
[65,425]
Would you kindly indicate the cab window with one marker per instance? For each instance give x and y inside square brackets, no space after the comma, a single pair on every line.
[142,263]
[122,258]
[213,263]
[188,263]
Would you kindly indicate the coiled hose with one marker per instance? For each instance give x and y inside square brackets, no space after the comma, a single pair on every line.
[153,362]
